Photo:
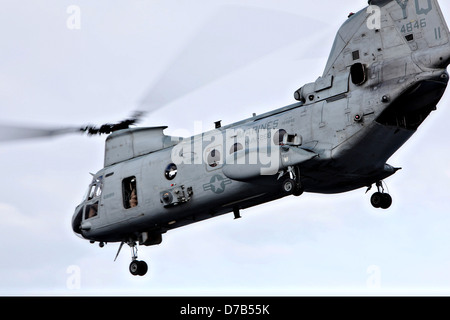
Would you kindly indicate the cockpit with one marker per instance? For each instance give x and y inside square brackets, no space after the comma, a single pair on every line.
[88,208]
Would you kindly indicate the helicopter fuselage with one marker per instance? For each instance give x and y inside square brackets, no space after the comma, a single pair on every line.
[378,87]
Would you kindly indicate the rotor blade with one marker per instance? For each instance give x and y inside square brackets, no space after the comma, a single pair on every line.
[230,40]
[13,133]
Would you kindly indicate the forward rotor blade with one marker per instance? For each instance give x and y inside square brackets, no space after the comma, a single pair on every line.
[13,133]
[232,39]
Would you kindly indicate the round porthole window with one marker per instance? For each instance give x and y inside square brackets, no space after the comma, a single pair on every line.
[236,147]
[278,137]
[213,158]
[171,171]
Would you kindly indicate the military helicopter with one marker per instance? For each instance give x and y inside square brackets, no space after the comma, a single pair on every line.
[385,74]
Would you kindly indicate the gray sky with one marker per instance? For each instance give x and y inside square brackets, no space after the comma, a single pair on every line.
[314,244]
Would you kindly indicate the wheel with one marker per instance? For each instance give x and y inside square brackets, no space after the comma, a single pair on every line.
[386,201]
[138,268]
[288,186]
[376,199]
[134,267]
[143,268]
[381,200]
[298,191]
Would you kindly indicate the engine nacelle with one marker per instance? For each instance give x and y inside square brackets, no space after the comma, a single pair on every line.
[305,93]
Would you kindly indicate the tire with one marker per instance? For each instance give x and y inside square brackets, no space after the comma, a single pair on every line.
[143,268]
[386,201]
[298,191]
[138,268]
[376,200]
[134,267]
[288,186]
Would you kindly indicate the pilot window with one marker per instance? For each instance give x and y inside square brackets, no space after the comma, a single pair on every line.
[95,189]
[98,191]
[129,191]
[91,210]
[91,192]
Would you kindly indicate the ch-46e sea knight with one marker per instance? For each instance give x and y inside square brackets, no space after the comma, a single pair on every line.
[385,74]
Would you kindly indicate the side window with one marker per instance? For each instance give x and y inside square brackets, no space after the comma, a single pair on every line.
[171,171]
[91,210]
[236,147]
[129,192]
[278,137]
[214,158]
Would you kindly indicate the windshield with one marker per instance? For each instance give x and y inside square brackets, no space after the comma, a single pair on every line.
[95,189]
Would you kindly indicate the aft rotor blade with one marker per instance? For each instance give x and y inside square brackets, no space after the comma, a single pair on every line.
[13,133]
[232,39]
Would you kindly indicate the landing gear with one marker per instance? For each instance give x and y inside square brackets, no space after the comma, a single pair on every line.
[291,185]
[137,268]
[380,199]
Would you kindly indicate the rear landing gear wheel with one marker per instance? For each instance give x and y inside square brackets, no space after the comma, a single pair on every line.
[298,191]
[376,199]
[386,201]
[288,186]
[138,268]
[380,199]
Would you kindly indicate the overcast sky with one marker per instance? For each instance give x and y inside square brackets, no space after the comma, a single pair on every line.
[55,74]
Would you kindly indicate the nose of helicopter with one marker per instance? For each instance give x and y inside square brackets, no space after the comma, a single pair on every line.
[76,220]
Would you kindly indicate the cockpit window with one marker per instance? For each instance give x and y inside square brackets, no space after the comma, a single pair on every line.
[95,189]
[98,191]
[91,210]
[91,192]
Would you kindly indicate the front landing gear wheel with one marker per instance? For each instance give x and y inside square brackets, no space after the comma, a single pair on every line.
[138,268]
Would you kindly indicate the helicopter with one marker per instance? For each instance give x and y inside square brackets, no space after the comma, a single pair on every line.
[385,74]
